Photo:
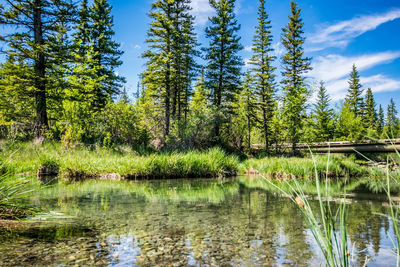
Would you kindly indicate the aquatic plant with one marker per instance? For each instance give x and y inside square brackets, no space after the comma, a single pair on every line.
[328,227]
[14,193]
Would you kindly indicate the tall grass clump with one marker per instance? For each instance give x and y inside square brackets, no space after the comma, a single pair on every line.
[328,225]
[14,194]
[282,167]
[202,164]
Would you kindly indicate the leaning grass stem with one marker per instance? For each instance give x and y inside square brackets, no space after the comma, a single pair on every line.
[329,229]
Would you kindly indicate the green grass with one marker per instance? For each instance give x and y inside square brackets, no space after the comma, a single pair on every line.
[90,162]
[14,197]
[283,167]
[84,162]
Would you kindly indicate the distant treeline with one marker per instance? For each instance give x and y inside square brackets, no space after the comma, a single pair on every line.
[59,80]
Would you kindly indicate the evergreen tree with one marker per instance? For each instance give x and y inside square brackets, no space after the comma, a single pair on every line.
[247,105]
[370,116]
[354,97]
[295,65]
[83,28]
[223,62]
[199,99]
[264,71]
[392,122]
[170,58]
[381,121]
[323,115]
[106,53]
[28,47]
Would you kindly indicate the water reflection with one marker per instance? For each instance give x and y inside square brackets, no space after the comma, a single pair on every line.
[185,223]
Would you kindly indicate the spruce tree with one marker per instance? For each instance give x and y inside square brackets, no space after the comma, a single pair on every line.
[170,65]
[392,122]
[106,52]
[295,65]
[35,21]
[199,99]
[247,104]
[381,121]
[223,69]
[370,116]
[323,115]
[354,96]
[264,71]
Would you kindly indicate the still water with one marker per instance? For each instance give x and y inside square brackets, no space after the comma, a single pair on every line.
[184,223]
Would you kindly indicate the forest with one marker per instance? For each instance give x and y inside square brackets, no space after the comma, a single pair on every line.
[59,81]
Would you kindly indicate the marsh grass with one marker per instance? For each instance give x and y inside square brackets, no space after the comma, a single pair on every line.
[14,197]
[91,162]
[282,167]
[328,225]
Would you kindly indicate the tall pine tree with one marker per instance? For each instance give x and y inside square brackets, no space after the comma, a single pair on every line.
[354,96]
[392,124]
[323,115]
[106,52]
[295,65]
[264,71]
[370,116]
[223,62]
[35,22]
[380,124]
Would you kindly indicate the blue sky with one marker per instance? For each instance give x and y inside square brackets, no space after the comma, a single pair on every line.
[339,33]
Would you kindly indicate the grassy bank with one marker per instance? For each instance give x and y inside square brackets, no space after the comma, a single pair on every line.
[124,163]
[81,163]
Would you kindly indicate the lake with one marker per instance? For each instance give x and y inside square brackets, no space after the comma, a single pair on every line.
[209,222]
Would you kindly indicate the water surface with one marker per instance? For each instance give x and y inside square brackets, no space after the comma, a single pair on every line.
[184,223]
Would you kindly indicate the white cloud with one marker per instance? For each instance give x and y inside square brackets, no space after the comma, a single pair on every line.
[248,48]
[247,62]
[137,47]
[335,69]
[332,67]
[202,10]
[341,33]
[378,83]
[278,49]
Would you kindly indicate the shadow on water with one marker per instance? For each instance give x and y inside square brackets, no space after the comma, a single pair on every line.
[186,223]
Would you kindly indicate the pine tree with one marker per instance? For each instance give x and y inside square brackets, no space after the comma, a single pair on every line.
[83,28]
[223,62]
[392,122]
[264,71]
[247,105]
[370,116]
[35,22]
[199,99]
[170,65]
[295,65]
[354,97]
[106,53]
[381,121]
[323,115]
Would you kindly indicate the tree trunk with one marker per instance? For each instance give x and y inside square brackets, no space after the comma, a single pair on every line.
[40,73]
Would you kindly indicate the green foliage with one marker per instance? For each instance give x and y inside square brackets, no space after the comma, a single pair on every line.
[295,65]
[323,116]
[245,108]
[392,124]
[370,116]
[106,53]
[348,125]
[262,62]
[223,68]
[354,97]
[170,65]
[380,123]
[14,194]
